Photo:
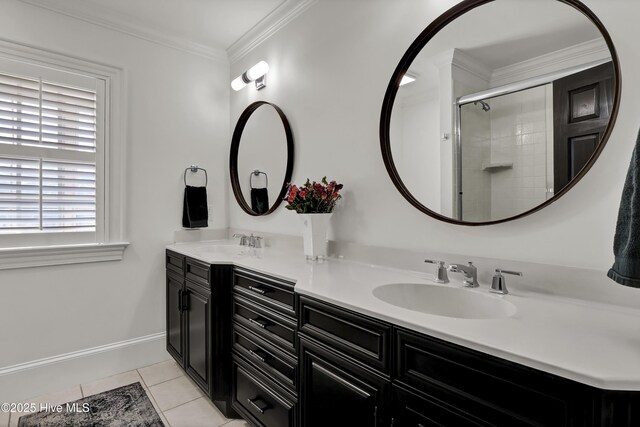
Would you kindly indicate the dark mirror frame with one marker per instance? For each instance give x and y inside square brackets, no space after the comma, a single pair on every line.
[413,51]
[233,158]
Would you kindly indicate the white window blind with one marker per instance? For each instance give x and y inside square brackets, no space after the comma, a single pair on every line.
[48,164]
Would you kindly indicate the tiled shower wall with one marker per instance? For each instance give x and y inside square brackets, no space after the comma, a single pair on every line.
[517,133]
[521,134]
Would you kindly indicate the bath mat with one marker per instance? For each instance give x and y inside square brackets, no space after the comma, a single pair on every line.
[126,406]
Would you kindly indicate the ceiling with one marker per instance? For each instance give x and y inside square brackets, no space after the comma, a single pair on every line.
[207,26]
[495,35]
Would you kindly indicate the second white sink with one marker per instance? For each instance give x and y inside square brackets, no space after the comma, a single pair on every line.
[445,301]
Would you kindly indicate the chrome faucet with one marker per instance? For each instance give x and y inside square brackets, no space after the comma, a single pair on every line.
[243,238]
[255,241]
[469,271]
[250,241]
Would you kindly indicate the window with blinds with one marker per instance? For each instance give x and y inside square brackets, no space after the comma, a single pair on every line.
[47,156]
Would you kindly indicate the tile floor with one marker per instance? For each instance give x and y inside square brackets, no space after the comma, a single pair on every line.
[177,399]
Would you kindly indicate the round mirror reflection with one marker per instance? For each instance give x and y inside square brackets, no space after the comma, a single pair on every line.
[497,110]
[261,158]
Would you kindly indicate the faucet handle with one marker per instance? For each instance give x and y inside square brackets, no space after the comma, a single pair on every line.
[499,284]
[441,275]
[515,273]
[257,242]
[243,238]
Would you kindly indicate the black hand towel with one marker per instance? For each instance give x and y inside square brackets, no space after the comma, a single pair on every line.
[626,243]
[195,213]
[259,200]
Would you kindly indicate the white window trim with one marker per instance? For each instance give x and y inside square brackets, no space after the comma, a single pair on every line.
[111,237]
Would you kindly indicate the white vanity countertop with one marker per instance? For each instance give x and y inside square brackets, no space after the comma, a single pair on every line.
[595,344]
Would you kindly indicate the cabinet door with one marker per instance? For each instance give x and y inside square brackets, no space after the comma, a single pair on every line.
[175,318]
[198,331]
[337,391]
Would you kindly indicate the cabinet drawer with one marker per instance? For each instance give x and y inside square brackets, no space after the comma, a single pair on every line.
[275,294]
[267,358]
[258,400]
[174,262]
[272,327]
[361,337]
[198,271]
[411,410]
[532,397]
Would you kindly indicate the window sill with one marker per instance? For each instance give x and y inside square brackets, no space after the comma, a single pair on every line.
[39,256]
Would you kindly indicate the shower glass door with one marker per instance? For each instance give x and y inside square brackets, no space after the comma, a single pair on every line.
[505,154]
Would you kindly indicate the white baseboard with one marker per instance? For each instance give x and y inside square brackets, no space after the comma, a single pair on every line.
[61,372]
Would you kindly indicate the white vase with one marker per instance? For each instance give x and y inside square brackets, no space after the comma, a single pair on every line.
[314,235]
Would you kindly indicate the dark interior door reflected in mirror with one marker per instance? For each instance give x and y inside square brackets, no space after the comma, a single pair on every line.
[261,160]
[495,111]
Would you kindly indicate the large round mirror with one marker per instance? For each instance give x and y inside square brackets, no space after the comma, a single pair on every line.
[499,107]
[261,159]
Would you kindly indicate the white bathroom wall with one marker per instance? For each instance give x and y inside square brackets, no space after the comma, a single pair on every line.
[415,130]
[329,72]
[177,115]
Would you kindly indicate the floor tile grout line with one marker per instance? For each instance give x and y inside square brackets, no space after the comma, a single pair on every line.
[165,381]
[182,404]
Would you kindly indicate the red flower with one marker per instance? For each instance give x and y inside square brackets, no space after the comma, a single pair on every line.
[292,193]
[313,197]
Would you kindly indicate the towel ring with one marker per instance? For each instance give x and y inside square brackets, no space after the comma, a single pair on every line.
[258,173]
[195,169]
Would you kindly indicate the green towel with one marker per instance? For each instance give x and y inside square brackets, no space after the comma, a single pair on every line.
[626,243]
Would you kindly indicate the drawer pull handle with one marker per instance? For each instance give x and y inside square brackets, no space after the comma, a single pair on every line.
[261,406]
[257,290]
[259,322]
[258,356]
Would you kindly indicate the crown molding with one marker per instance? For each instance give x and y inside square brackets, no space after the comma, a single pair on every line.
[466,62]
[281,16]
[582,53]
[116,22]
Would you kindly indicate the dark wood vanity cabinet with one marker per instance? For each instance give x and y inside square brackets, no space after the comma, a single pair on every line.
[479,389]
[198,334]
[175,317]
[336,390]
[284,360]
[264,341]
[198,324]
[354,367]
[344,366]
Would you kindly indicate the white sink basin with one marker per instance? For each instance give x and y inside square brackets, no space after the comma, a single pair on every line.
[445,301]
[230,250]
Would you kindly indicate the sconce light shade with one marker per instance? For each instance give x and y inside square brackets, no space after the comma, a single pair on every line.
[255,73]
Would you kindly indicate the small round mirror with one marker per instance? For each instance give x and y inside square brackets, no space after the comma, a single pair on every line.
[261,159]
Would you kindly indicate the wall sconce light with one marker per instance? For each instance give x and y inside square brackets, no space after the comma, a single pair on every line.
[257,73]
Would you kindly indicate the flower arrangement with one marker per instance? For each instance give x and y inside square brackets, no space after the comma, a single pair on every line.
[313,197]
